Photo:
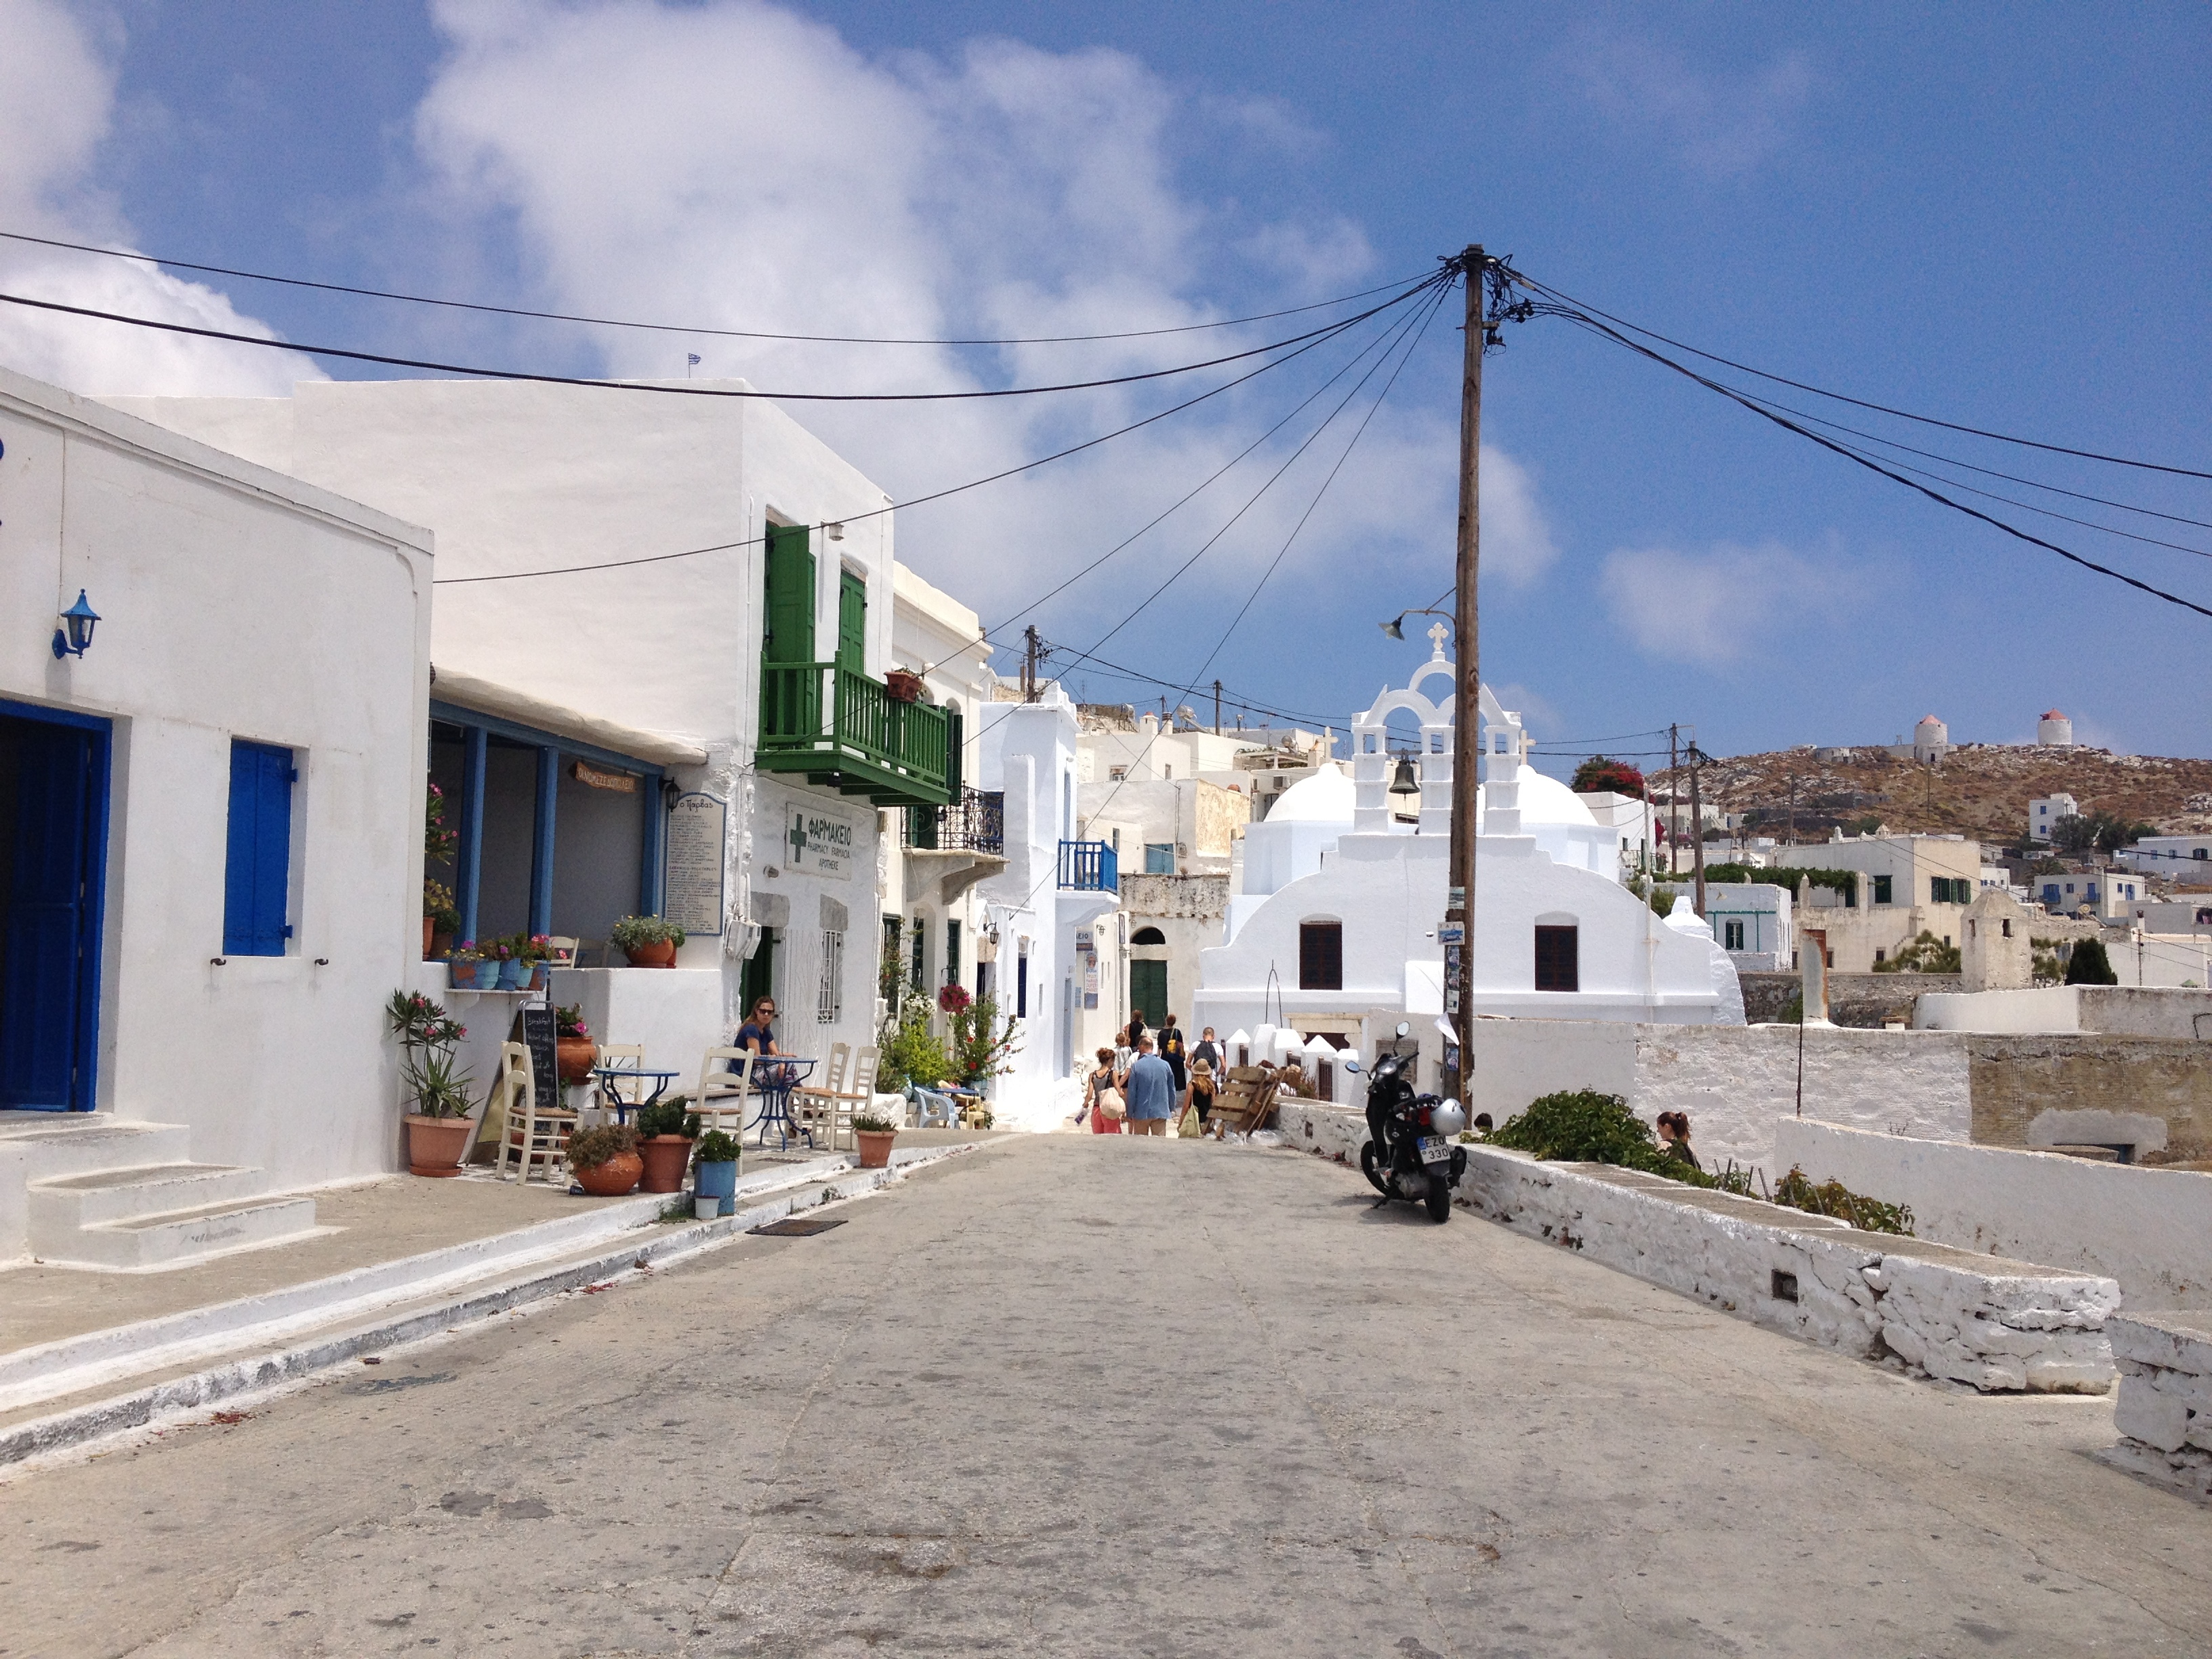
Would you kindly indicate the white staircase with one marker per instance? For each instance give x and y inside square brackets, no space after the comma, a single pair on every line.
[85,1190]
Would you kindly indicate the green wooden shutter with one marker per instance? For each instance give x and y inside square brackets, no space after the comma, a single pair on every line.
[852,623]
[788,632]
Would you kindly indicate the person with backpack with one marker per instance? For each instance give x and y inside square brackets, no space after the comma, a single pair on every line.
[1168,1040]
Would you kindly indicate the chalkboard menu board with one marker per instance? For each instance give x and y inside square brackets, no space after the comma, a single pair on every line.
[537,1036]
[695,834]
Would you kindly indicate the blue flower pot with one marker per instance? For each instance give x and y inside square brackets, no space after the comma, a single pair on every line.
[510,975]
[717,1180]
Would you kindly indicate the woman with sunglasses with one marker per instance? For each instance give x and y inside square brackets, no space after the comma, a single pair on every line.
[758,1035]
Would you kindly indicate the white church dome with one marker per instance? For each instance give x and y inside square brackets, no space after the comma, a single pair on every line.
[1325,797]
[1546,801]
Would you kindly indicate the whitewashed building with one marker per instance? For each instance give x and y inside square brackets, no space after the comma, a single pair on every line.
[211,820]
[1336,928]
[662,629]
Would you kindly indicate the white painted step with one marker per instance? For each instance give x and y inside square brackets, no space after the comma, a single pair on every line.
[65,1204]
[179,1237]
[47,1145]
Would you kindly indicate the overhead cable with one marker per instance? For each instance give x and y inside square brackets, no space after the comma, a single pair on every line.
[1856,403]
[688,389]
[679,328]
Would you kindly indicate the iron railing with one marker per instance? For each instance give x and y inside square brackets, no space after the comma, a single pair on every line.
[878,744]
[1090,866]
[976,823]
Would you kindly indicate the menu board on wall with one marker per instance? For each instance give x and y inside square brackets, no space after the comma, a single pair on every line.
[696,864]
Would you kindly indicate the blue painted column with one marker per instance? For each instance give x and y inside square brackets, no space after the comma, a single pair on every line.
[541,842]
[651,863]
[468,857]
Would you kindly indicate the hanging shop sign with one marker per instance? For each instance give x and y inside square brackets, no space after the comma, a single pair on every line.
[598,777]
[821,841]
[696,868]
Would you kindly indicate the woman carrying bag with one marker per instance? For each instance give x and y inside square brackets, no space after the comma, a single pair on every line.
[1102,1099]
[1198,1099]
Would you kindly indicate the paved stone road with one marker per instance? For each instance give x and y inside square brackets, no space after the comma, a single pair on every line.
[1074,1396]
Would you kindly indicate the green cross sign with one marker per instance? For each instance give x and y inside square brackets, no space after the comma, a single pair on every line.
[798,837]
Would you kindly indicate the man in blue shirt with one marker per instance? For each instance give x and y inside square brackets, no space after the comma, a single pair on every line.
[1150,1092]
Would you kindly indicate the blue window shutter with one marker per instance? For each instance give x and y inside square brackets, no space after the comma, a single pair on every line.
[258,867]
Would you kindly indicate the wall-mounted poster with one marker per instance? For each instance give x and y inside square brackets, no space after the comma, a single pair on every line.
[818,841]
[695,832]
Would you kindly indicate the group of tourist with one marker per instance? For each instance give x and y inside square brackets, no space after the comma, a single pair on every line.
[1150,1077]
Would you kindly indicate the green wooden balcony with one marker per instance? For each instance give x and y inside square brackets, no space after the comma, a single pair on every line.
[846,730]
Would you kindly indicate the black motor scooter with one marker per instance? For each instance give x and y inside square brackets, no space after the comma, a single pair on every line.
[1409,1152]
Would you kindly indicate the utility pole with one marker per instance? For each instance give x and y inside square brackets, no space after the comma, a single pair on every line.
[1698,825]
[1674,801]
[1217,708]
[1466,731]
[1029,664]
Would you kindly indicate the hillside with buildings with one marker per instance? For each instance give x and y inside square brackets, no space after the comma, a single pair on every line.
[1980,790]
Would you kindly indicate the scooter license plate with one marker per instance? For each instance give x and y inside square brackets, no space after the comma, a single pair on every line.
[1435,1149]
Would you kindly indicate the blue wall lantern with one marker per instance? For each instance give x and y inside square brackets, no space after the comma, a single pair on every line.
[74,634]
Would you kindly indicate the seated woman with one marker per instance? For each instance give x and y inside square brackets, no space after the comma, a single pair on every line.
[757,1035]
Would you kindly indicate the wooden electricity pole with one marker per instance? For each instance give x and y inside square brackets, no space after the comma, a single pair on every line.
[1028,664]
[1467,727]
[1698,825]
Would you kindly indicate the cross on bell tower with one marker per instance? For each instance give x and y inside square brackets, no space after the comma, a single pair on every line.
[1438,633]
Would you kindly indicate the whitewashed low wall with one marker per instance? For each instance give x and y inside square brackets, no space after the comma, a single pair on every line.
[2164,1412]
[2150,1229]
[1996,1324]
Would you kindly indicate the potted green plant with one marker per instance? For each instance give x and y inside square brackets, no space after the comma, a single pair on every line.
[437,1128]
[462,968]
[441,919]
[574,1053]
[605,1160]
[647,941]
[665,1144]
[875,1132]
[497,973]
[714,1171]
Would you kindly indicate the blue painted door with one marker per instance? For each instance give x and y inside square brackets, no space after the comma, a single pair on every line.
[49,978]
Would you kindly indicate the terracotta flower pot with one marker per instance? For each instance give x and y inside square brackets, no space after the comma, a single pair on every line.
[428,924]
[666,1158]
[441,945]
[613,1178]
[904,685]
[875,1147]
[574,1057]
[662,955]
[436,1145]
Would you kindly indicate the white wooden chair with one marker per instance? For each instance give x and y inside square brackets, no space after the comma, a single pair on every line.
[813,1105]
[846,1093]
[720,1099]
[531,1137]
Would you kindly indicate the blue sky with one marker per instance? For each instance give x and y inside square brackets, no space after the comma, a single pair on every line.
[2002,217]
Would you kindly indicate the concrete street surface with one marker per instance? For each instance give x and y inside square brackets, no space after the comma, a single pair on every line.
[1074,1395]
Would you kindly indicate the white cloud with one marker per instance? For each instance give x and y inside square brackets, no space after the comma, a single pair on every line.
[1516,537]
[737,163]
[1716,608]
[57,101]
[1720,124]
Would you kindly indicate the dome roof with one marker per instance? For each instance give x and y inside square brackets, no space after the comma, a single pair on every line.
[1325,797]
[2053,715]
[1546,801]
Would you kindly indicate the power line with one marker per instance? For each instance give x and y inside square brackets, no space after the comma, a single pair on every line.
[1760,409]
[685,389]
[1856,403]
[919,500]
[678,328]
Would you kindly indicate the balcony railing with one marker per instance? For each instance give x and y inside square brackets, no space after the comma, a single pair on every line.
[1090,866]
[896,753]
[976,823]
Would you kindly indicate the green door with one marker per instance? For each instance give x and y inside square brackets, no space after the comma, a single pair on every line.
[787,634]
[852,623]
[1148,991]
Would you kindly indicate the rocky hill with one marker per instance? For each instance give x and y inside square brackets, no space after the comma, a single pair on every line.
[1980,789]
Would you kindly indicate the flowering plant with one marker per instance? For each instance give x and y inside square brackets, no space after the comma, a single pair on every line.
[466,951]
[954,999]
[427,1036]
[438,842]
[537,947]
[569,1022]
[438,905]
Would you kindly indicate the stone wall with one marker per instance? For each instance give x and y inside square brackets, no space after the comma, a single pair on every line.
[2014,1079]
[1997,1325]
[1864,1000]
[2149,1229]
[2164,1412]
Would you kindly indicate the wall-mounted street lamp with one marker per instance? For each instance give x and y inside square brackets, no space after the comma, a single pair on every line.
[74,634]
[1395,628]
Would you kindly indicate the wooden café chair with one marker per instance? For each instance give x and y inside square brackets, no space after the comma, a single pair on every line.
[531,1136]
